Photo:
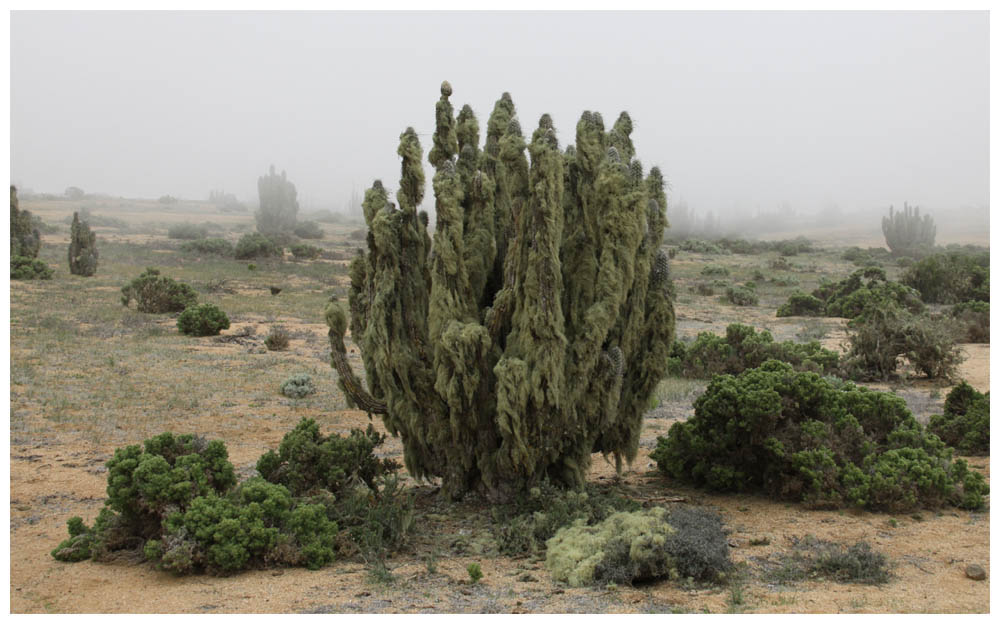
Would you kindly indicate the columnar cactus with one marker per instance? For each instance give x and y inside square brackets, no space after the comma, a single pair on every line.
[279,205]
[908,234]
[534,329]
[82,248]
[25,240]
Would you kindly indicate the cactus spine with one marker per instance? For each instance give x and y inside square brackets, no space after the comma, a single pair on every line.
[534,329]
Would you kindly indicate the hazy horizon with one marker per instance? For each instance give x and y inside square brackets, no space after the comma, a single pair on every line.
[742,111]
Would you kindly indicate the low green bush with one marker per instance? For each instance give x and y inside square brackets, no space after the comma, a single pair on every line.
[187,231]
[308,230]
[302,251]
[744,347]
[714,270]
[209,246]
[973,318]
[866,257]
[23,268]
[741,296]
[256,245]
[158,294]
[204,319]
[965,423]
[951,277]
[694,245]
[801,304]
[298,386]
[812,558]
[176,499]
[828,444]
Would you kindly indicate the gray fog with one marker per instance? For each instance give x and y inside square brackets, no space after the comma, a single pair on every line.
[742,111]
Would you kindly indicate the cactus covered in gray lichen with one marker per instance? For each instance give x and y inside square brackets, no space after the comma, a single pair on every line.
[533,329]
[25,240]
[906,233]
[82,248]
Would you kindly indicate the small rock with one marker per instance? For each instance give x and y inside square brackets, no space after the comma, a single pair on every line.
[734,544]
[975,572]
[277,573]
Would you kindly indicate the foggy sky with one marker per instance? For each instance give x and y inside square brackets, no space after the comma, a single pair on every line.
[739,110]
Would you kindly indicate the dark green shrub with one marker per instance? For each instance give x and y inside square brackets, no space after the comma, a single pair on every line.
[742,348]
[307,461]
[302,251]
[277,339]
[298,386]
[951,277]
[866,257]
[176,497]
[801,304]
[780,263]
[82,248]
[965,423]
[694,245]
[475,572]
[187,231]
[973,318]
[741,296]
[158,294]
[256,245]
[309,230]
[22,268]
[715,270]
[209,246]
[802,437]
[204,319]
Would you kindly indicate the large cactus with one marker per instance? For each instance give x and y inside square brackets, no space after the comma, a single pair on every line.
[534,329]
[82,248]
[906,233]
[25,241]
[279,205]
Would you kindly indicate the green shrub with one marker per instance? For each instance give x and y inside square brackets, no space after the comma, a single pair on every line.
[973,318]
[298,386]
[158,294]
[715,270]
[802,437]
[307,461]
[176,497]
[742,348]
[309,230]
[866,257]
[780,263]
[22,268]
[277,339]
[741,296]
[884,333]
[694,245]
[812,557]
[703,289]
[951,277]
[801,304]
[187,231]
[204,319]
[302,251]
[475,573]
[209,246]
[256,245]
[524,526]
[638,546]
[965,423]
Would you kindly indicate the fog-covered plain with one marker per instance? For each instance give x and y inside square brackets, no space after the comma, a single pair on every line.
[746,113]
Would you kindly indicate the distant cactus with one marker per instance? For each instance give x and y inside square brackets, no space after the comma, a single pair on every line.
[534,330]
[82,248]
[25,240]
[906,233]
[279,205]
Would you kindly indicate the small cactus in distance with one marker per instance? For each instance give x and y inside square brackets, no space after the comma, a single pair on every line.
[82,248]
[906,233]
